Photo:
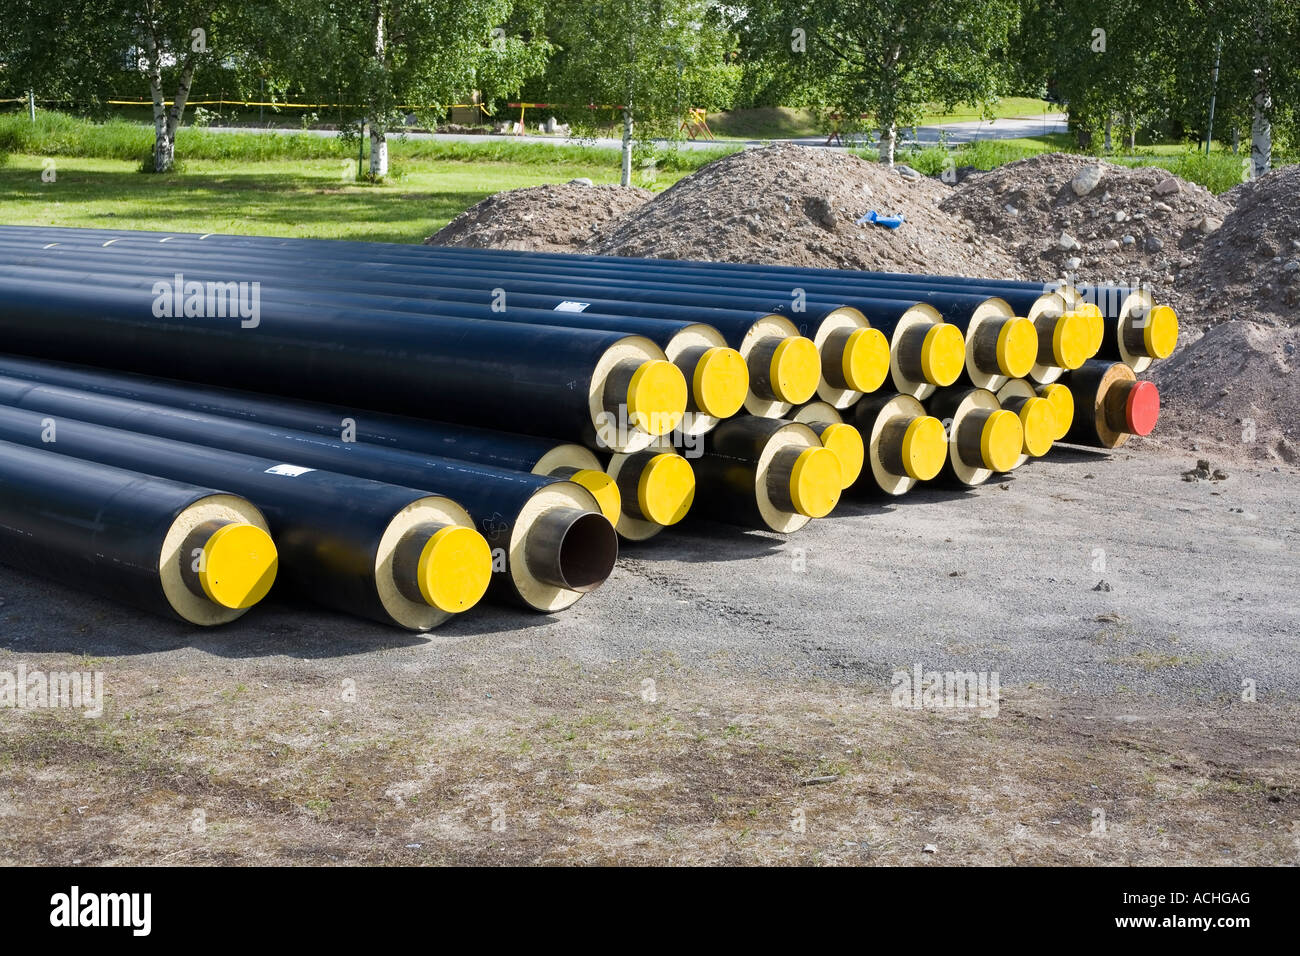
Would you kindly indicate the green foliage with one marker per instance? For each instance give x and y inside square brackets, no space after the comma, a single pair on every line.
[655,58]
[888,59]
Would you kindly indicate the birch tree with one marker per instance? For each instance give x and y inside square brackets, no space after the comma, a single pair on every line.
[889,59]
[385,59]
[654,59]
[69,48]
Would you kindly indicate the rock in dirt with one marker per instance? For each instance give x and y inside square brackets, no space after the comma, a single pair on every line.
[540,218]
[1087,179]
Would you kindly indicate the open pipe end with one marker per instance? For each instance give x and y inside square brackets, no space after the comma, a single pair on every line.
[864,360]
[656,397]
[1017,347]
[237,566]
[720,382]
[454,569]
[943,354]
[572,549]
[1062,400]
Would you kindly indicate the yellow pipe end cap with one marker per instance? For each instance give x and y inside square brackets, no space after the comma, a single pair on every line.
[925,448]
[1160,334]
[846,442]
[666,489]
[720,382]
[1017,347]
[1062,400]
[656,397]
[795,370]
[454,569]
[865,360]
[1071,340]
[816,482]
[1001,440]
[1038,420]
[239,565]
[1096,326]
[943,354]
[605,490]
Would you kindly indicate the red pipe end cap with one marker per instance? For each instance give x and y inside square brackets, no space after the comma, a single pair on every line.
[1142,408]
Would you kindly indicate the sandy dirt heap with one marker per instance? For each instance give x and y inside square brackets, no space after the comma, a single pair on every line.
[796,205]
[1251,266]
[1073,215]
[1235,389]
[539,218]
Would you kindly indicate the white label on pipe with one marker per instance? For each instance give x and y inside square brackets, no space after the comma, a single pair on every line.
[572,307]
[290,471]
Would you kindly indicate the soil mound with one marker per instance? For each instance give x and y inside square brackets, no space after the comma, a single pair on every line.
[1059,215]
[796,205]
[539,218]
[1251,265]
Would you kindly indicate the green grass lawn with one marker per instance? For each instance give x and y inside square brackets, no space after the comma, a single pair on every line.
[301,197]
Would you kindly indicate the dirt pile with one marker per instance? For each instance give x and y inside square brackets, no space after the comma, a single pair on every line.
[1251,266]
[796,205]
[1058,214]
[540,218]
[1235,389]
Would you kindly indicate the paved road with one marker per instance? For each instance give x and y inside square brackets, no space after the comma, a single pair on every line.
[953,133]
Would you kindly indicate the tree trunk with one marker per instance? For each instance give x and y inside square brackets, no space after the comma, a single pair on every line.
[378,152]
[378,131]
[164,148]
[1236,139]
[625,177]
[888,143]
[1261,127]
[1107,143]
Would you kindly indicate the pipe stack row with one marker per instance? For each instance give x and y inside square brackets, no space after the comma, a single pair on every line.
[399,432]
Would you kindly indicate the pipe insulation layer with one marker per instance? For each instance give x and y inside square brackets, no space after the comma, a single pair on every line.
[1111,405]
[903,444]
[766,473]
[1037,418]
[496,450]
[616,390]
[983,437]
[387,553]
[545,537]
[170,548]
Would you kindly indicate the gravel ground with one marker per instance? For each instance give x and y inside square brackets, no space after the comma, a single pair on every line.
[1197,589]
[715,703]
